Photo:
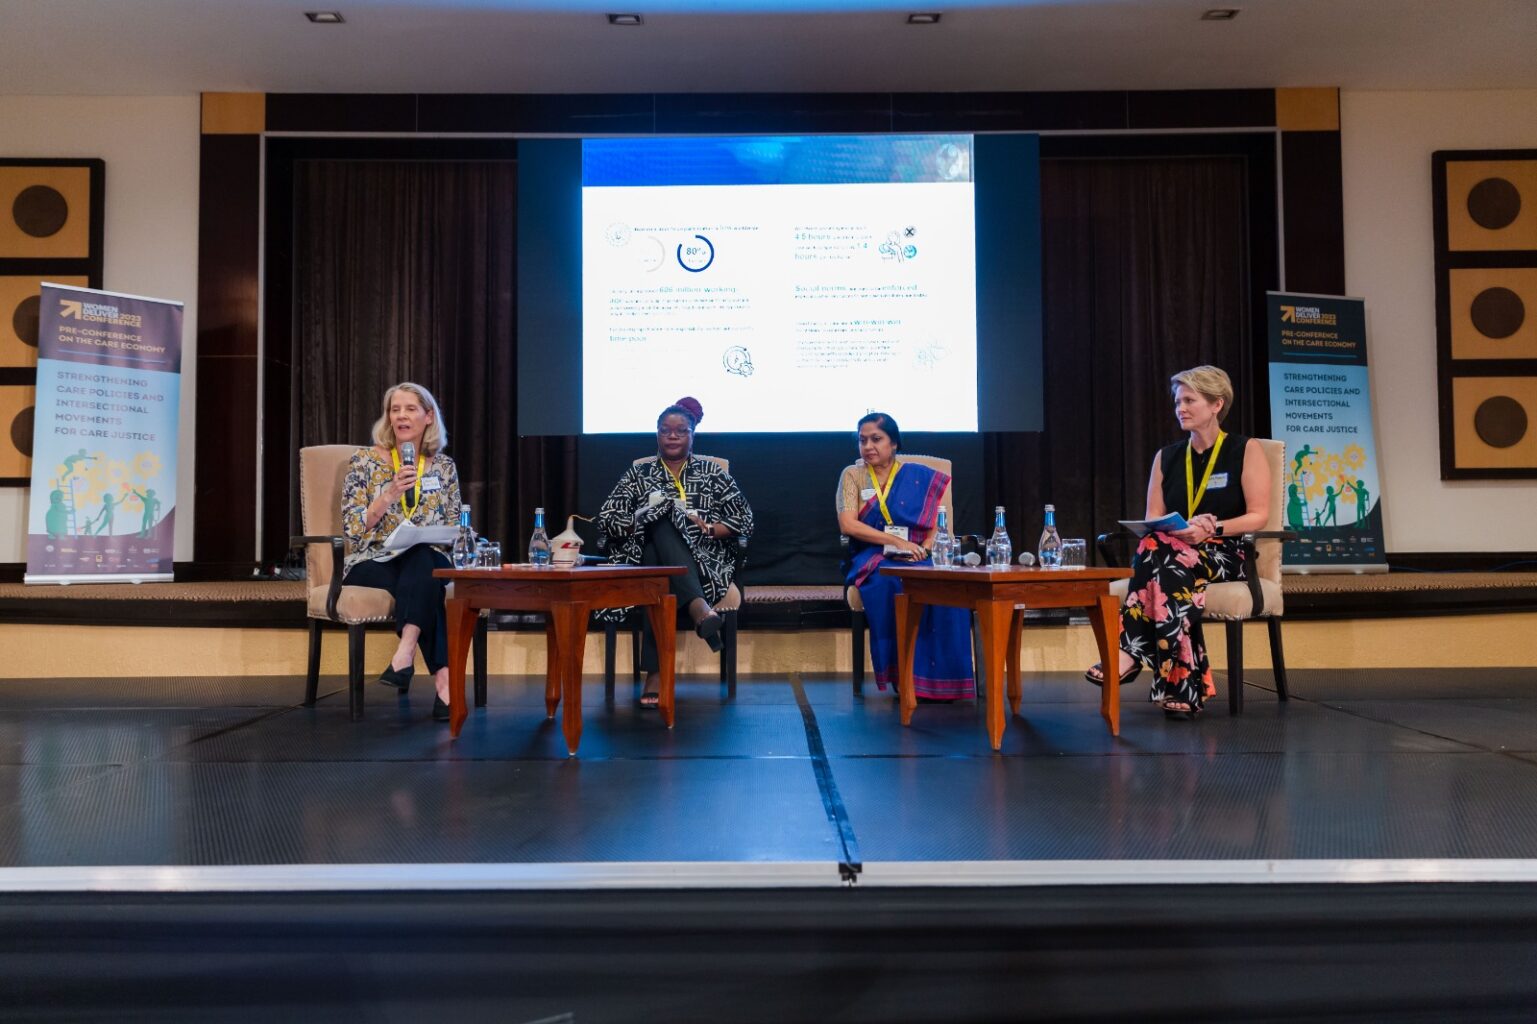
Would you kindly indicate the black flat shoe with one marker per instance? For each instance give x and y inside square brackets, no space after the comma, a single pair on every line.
[1126,677]
[708,630]
[400,680]
[439,709]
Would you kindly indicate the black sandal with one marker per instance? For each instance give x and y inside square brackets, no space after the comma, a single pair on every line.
[1185,710]
[1126,677]
[650,701]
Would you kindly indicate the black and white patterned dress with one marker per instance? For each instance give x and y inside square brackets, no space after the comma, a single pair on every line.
[712,494]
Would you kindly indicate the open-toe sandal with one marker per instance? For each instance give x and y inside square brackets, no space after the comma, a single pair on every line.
[1179,709]
[650,700]
[1126,677]
[708,630]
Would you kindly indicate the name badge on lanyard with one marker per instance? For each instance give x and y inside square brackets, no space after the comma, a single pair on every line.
[896,533]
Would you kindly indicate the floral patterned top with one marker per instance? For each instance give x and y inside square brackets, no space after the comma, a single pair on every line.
[369,473]
[712,494]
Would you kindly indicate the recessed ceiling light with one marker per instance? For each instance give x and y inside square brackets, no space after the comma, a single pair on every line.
[324,17]
[930,18]
[1220,14]
[624,19]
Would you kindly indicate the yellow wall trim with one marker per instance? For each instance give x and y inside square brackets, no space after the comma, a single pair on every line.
[1307,110]
[234,113]
[50,652]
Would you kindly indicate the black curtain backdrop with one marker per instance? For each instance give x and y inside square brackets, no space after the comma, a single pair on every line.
[405,270]
[1146,272]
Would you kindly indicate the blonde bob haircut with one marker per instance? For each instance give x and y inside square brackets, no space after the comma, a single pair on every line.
[1210,382]
[434,438]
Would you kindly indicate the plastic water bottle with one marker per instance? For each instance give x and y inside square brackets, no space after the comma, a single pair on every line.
[1000,551]
[1049,552]
[944,543]
[539,543]
[464,544]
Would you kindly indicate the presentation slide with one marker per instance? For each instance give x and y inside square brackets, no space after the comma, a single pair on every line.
[788,283]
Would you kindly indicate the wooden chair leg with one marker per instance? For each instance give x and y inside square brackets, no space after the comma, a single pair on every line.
[857,619]
[312,674]
[1235,666]
[1277,657]
[355,671]
[610,644]
[479,645]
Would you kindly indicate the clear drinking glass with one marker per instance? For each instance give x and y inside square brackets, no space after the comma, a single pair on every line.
[489,555]
[1075,552]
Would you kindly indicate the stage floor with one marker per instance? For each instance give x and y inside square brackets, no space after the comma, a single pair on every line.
[790,779]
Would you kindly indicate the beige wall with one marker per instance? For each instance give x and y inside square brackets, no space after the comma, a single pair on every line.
[150,145]
[1390,262]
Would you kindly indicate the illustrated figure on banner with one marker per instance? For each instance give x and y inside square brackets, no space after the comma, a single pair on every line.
[85,480]
[1320,480]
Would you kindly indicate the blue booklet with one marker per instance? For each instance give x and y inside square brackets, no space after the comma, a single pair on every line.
[1171,523]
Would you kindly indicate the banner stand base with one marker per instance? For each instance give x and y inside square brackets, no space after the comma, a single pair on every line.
[137,577]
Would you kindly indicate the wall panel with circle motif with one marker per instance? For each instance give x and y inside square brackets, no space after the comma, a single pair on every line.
[1486,312]
[51,226]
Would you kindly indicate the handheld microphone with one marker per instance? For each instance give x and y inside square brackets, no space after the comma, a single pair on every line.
[408,454]
[971,558]
[1026,558]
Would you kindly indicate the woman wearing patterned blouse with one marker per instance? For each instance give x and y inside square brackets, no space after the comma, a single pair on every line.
[677,509]
[379,494]
[1221,485]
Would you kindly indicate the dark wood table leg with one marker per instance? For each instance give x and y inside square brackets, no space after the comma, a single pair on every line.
[993,617]
[570,636]
[552,666]
[908,614]
[1105,617]
[664,627]
[461,632]
[1016,626]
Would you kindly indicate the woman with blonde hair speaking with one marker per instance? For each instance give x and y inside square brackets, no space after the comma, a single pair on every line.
[405,477]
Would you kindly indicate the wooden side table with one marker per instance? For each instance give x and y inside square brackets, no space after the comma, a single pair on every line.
[565,596]
[997,596]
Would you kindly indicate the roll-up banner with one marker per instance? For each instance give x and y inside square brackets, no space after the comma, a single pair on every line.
[103,502]
[1320,405]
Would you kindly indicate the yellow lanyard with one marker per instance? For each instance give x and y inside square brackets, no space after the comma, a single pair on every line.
[1193,494]
[880,495]
[677,481]
[416,496]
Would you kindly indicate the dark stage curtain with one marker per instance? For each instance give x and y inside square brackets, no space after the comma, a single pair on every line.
[406,270]
[1146,272]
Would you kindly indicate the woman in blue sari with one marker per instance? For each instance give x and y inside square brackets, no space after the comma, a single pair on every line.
[885,502]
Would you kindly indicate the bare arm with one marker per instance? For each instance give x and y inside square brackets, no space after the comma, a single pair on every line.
[1155,506]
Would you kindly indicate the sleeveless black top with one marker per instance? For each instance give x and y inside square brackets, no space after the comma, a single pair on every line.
[1224,497]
